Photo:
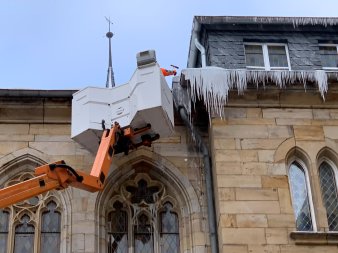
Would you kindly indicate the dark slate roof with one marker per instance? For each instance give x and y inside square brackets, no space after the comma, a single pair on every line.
[222,36]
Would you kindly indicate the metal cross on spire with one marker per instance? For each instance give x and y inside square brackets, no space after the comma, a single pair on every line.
[110,75]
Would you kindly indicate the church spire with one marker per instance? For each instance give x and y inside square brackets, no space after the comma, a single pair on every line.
[110,75]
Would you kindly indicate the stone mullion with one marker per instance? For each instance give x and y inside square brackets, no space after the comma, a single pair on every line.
[11,230]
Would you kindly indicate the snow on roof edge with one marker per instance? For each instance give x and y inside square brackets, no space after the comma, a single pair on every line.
[295,21]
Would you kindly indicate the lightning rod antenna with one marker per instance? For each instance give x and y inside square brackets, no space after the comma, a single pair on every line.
[110,75]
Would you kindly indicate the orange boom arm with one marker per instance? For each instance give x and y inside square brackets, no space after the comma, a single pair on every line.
[59,175]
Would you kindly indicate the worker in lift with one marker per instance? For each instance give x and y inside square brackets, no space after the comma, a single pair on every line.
[167,72]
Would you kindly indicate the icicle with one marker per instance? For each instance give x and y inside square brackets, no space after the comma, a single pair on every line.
[212,84]
[321,80]
[295,21]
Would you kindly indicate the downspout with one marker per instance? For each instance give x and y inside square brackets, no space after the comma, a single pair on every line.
[208,180]
[181,97]
[202,50]
[194,45]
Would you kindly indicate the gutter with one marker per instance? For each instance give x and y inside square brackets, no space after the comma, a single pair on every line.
[295,21]
[37,93]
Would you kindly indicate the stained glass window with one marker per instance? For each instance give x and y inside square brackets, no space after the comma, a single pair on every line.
[24,236]
[300,197]
[329,194]
[170,242]
[50,229]
[117,230]
[143,235]
[4,219]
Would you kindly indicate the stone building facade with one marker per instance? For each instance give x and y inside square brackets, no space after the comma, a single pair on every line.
[273,152]
[153,201]
[270,86]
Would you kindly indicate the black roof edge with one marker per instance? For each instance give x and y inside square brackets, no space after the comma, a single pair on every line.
[37,93]
[295,21]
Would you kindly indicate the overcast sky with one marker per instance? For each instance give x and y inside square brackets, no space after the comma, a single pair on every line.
[61,44]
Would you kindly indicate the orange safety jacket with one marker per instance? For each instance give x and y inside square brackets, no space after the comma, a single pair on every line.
[166,72]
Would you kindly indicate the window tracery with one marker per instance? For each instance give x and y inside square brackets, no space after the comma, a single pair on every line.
[142,216]
[35,223]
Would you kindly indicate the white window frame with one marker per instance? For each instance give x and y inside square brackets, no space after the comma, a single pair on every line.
[308,185]
[266,56]
[329,45]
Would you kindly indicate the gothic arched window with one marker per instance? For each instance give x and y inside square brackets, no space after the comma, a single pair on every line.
[35,223]
[117,230]
[170,241]
[329,194]
[142,219]
[301,197]
[24,236]
[50,229]
[143,235]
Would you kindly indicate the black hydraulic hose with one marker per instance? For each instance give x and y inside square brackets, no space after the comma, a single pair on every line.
[208,179]
[70,169]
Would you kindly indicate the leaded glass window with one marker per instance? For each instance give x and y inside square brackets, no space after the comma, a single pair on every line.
[300,197]
[32,225]
[117,230]
[141,218]
[329,194]
[143,235]
[50,229]
[170,241]
[24,236]
[4,220]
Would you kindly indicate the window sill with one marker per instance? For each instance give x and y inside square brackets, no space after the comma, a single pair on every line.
[314,237]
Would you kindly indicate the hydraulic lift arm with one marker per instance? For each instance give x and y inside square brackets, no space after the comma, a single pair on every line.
[59,175]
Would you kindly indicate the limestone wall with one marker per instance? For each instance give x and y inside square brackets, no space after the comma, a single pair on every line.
[250,148]
[36,130]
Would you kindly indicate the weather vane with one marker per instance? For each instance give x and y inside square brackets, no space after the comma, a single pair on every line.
[109,34]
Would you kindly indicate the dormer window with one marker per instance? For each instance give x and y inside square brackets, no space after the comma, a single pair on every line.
[267,56]
[329,56]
